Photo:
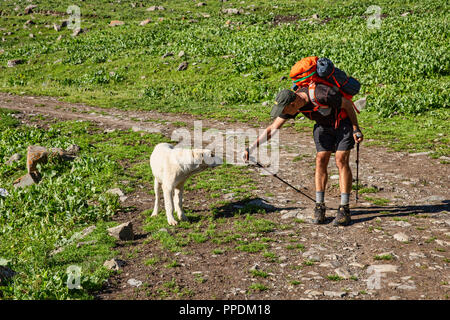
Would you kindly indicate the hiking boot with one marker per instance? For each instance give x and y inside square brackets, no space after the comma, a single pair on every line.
[319,213]
[343,216]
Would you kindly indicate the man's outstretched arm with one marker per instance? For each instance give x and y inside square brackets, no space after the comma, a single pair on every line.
[265,136]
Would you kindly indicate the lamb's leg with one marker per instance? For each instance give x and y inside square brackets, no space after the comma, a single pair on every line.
[178,197]
[168,203]
[155,208]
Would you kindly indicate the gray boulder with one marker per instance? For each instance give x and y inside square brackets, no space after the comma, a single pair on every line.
[122,232]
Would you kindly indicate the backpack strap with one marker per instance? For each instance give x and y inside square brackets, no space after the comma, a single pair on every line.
[312,97]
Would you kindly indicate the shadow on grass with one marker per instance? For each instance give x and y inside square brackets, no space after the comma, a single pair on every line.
[247,206]
[397,211]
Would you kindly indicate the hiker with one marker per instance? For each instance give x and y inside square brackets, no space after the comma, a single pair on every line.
[333,133]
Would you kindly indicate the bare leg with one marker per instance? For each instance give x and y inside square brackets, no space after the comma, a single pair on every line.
[345,173]
[321,176]
[155,208]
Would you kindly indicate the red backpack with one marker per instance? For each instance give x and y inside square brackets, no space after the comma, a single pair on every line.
[305,73]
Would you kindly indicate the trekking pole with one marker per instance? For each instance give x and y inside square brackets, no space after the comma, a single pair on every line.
[358,135]
[285,182]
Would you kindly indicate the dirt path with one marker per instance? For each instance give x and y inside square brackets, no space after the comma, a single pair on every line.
[415,185]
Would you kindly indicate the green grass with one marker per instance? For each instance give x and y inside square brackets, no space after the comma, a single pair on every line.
[386,257]
[258,287]
[36,220]
[378,201]
[334,277]
[259,273]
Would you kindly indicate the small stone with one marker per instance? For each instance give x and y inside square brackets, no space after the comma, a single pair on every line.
[289,215]
[14,62]
[77,32]
[134,282]
[122,232]
[145,22]
[156,8]
[356,264]
[201,4]
[334,294]
[315,16]
[73,149]
[57,27]
[26,180]
[14,158]
[181,54]
[404,14]
[87,231]
[382,268]
[343,273]
[416,255]
[419,154]
[167,54]
[114,264]
[233,11]
[119,193]
[114,23]
[406,287]
[334,177]
[394,298]
[255,267]
[401,237]
[182,66]
[85,243]
[29,9]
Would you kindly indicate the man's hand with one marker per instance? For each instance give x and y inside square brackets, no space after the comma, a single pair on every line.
[358,136]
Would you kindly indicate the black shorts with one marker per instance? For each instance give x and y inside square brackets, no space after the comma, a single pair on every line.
[329,139]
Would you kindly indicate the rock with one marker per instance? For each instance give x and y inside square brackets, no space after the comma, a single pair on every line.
[3,192]
[87,231]
[288,215]
[14,62]
[27,180]
[14,158]
[76,32]
[394,298]
[254,267]
[122,232]
[182,66]
[201,4]
[57,27]
[356,264]
[334,294]
[334,177]
[73,149]
[181,54]
[114,23]
[261,203]
[416,255]
[406,287]
[84,243]
[382,268]
[134,282]
[404,14]
[6,274]
[29,9]
[167,54]
[233,11]
[343,273]
[145,22]
[36,155]
[156,8]
[114,264]
[315,16]
[401,237]
[119,193]
[313,293]
[419,154]
[433,198]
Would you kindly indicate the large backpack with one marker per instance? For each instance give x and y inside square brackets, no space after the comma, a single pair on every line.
[311,70]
